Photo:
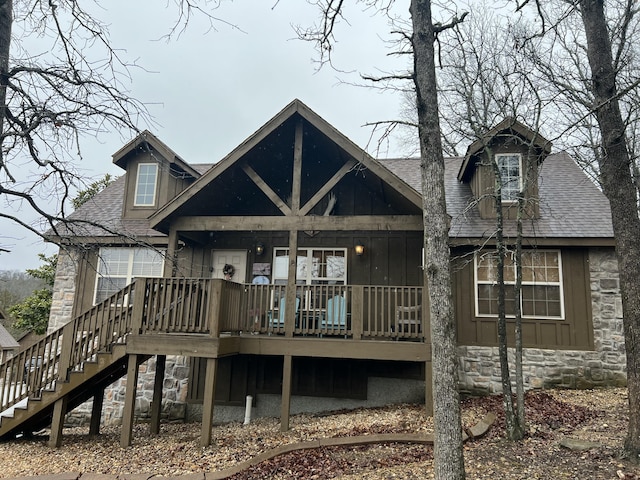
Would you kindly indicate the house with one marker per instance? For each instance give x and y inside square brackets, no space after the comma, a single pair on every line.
[8,344]
[221,313]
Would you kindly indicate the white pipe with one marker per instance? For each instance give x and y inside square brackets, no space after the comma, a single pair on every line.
[247,410]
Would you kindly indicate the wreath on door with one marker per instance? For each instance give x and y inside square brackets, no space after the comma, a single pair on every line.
[228,271]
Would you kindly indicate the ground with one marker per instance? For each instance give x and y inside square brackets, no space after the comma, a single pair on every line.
[555,417]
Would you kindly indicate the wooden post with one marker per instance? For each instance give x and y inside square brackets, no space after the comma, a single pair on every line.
[156,402]
[66,352]
[290,294]
[129,401]
[286,393]
[96,412]
[170,260]
[357,311]
[215,306]
[428,387]
[57,422]
[208,401]
[139,293]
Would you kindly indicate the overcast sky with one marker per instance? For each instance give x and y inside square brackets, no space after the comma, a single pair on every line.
[209,90]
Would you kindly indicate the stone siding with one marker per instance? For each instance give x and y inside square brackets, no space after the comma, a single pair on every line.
[606,365]
[64,289]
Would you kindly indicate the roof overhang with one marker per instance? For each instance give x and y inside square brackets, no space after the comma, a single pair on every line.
[508,124]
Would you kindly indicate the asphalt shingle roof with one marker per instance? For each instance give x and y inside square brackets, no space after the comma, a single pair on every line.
[7,342]
[571,206]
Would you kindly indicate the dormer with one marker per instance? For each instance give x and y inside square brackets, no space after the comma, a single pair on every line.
[155,174]
[517,152]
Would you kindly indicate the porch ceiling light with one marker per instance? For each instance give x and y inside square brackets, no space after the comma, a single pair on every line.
[359,248]
[259,249]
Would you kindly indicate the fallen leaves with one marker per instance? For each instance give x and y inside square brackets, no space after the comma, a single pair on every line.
[597,416]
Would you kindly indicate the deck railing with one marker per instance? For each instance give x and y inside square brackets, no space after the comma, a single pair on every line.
[39,366]
[196,305]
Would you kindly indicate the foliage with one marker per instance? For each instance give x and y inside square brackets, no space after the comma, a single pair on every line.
[92,189]
[32,314]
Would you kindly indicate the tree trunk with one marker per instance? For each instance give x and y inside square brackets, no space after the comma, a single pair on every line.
[618,186]
[6,19]
[448,457]
[512,426]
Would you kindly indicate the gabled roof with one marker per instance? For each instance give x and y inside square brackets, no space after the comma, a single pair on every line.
[146,139]
[508,124]
[296,107]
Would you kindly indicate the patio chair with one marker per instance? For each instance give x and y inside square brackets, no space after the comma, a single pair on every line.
[335,317]
[278,322]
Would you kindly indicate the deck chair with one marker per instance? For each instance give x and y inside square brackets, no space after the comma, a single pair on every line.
[336,315]
[408,321]
[277,323]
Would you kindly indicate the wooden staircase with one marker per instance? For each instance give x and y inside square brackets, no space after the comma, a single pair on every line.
[71,364]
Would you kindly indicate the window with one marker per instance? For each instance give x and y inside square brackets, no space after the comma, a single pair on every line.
[542,295]
[315,266]
[118,266]
[510,169]
[146,184]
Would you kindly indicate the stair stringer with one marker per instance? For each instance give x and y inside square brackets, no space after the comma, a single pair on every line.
[81,386]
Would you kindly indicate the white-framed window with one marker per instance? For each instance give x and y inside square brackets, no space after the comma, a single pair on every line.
[118,266]
[510,168]
[542,293]
[315,266]
[146,182]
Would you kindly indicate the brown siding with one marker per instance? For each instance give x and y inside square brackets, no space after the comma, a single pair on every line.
[169,183]
[574,332]
[483,183]
[392,258]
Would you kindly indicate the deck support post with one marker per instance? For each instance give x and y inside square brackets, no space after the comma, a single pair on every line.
[208,401]
[129,401]
[285,407]
[57,422]
[156,402]
[96,412]
[428,387]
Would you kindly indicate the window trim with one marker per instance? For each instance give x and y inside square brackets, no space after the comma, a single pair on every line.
[560,284]
[309,279]
[129,276]
[520,179]
[155,186]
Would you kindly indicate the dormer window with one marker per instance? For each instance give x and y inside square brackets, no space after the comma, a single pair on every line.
[146,185]
[510,168]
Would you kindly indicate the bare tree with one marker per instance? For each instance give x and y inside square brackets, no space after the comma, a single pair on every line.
[420,44]
[617,183]
[61,80]
[589,61]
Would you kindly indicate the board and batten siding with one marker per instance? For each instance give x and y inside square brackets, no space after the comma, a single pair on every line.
[574,332]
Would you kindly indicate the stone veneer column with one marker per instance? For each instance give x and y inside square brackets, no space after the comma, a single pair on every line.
[64,289]
[479,367]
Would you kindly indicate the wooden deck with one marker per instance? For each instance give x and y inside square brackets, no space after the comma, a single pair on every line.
[208,318]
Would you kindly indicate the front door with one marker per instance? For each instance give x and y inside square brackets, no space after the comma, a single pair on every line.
[230,265]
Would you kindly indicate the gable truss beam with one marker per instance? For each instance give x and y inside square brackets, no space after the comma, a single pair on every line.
[346,168]
[266,189]
[299,222]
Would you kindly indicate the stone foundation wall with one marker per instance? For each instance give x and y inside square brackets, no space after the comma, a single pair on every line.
[479,367]
[174,402]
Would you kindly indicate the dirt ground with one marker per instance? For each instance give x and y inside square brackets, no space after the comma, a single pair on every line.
[556,419]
